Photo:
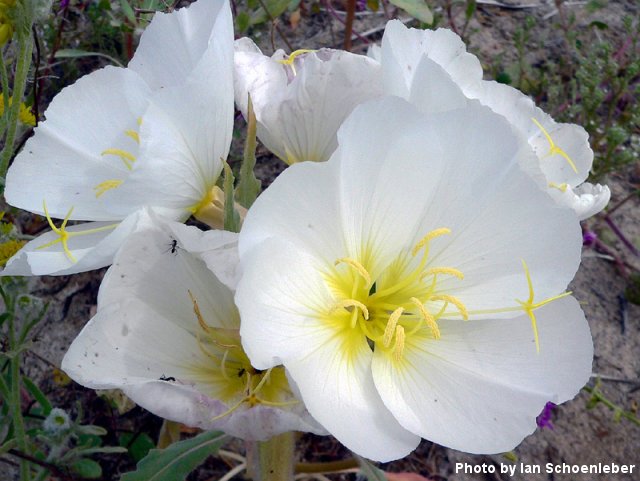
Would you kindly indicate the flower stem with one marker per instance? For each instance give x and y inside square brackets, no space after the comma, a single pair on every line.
[272,460]
[25,49]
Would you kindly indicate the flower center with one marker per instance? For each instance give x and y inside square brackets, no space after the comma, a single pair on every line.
[403,300]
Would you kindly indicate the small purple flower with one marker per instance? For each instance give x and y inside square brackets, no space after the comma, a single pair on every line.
[544,418]
[589,238]
[64,4]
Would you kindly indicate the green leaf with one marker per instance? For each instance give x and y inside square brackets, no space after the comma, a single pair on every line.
[369,471]
[76,53]
[140,446]
[373,5]
[87,468]
[231,217]
[38,395]
[470,10]
[249,185]
[128,12]
[178,460]
[242,21]
[275,8]
[416,8]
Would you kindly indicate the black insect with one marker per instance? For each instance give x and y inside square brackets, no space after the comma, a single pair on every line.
[241,372]
[165,378]
[173,246]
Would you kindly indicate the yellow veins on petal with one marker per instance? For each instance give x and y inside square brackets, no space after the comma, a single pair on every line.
[561,187]
[126,157]
[357,266]
[455,301]
[103,187]
[553,148]
[64,236]
[529,306]
[292,56]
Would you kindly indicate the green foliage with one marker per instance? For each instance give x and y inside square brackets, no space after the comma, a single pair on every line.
[368,471]
[597,398]
[178,460]
[138,445]
[418,9]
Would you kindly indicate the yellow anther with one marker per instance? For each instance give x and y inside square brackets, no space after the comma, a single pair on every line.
[352,303]
[196,310]
[561,187]
[139,121]
[391,326]
[127,157]
[430,236]
[357,266]
[133,134]
[529,306]
[292,56]
[450,271]
[553,148]
[455,301]
[398,348]
[64,236]
[102,187]
[428,317]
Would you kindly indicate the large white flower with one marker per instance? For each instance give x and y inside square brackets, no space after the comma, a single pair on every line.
[419,65]
[166,333]
[301,100]
[122,138]
[359,275]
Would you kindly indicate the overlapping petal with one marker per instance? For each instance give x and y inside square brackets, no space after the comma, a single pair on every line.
[299,107]
[147,339]
[399,183]
[154,134]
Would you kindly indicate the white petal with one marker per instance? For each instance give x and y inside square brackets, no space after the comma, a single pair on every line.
[157,268]
[586,199]
[480,387]
[433,90]
[282,298]
[63,162]
[317,101]
[403,49]
[90,251]
[173,44]
[338,390]
[519,111]
[497,215]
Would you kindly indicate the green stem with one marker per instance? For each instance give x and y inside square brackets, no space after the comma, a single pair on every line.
[5,93]
[272,460]
[25,49]
[328,467]
[15,402]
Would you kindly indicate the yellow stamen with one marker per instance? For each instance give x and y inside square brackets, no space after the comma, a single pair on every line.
[126,157]
[529,306]
[444,270]
[430,236]
[357,266]
[561,187]
[133,134]
[292,56]
[64,236]
[429,319]
[391,326]
[398,348]
[455,301]
[352,303]
[102,187]
[553,148]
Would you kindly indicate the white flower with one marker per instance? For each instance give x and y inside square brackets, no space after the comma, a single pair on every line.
[166,333]
[119,139]
[358,273]
[420,65]
[301,100]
